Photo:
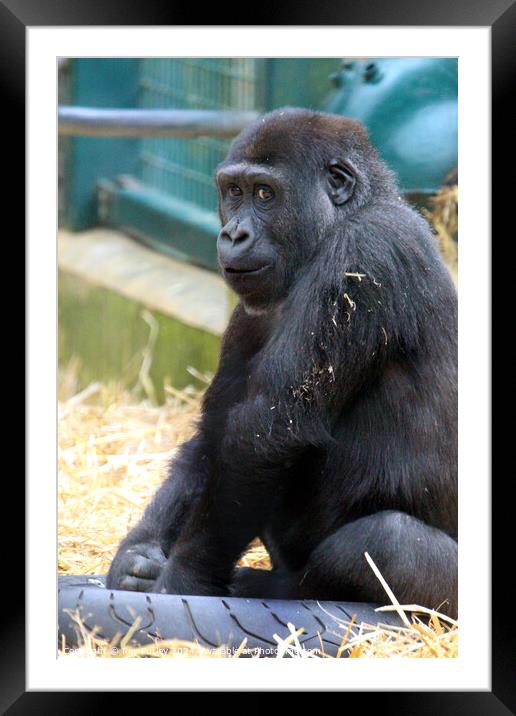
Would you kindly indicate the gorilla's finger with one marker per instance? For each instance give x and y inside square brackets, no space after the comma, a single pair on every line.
[133,584]
[145,568]
[155,552]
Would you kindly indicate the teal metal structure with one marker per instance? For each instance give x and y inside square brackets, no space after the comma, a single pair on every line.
[409,106]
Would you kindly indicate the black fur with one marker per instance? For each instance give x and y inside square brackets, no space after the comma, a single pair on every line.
[330,427]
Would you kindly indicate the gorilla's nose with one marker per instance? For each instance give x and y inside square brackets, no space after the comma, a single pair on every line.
[236,231]
[234,242]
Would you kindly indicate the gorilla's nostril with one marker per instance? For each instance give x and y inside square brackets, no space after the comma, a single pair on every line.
[239,235]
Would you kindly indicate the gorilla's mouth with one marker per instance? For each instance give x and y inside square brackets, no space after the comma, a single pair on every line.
[245,271]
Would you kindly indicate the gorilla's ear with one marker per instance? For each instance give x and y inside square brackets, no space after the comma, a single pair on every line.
[341,182]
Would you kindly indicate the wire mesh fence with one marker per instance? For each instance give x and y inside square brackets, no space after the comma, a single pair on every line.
[184,168]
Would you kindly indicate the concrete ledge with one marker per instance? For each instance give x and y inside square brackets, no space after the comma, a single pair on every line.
[110,259]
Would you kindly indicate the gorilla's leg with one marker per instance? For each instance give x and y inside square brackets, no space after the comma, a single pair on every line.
[418,562]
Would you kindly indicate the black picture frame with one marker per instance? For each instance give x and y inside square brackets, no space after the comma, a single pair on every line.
[500,16]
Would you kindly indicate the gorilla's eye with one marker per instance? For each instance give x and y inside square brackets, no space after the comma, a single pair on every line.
[234,190]
[264,192]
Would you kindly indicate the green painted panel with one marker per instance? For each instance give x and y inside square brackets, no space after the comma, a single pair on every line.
[98,82]
[107,333]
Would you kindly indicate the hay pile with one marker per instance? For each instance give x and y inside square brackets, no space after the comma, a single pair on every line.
[113,452]
[443,215]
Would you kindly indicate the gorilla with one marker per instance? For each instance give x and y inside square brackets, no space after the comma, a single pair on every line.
[330,427]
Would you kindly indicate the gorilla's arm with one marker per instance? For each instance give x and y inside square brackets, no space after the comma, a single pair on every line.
[143,553]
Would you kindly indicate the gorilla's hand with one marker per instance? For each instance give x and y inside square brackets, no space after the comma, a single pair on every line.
[179,577]
[137,567]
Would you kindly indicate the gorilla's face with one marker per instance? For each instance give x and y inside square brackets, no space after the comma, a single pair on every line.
[250,246]
[273,206]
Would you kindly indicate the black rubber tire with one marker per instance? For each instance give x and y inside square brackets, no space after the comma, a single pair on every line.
[210,621]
